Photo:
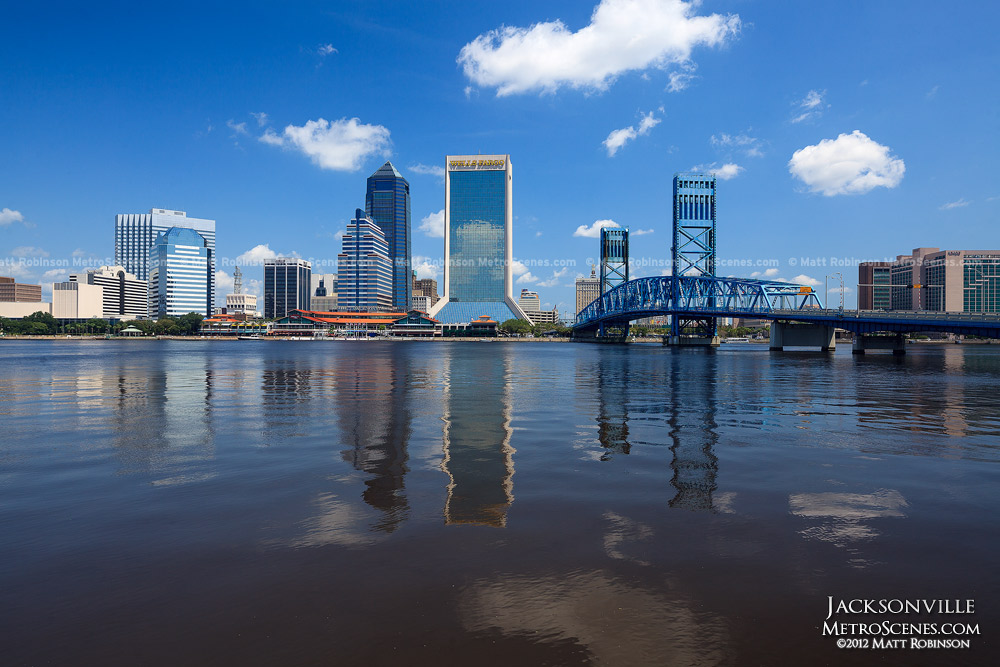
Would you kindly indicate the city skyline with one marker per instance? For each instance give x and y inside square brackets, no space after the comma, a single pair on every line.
[900,93]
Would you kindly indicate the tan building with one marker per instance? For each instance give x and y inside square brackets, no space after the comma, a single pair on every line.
[587,289]
[125,296]
[953,281]
[426,287]
[245,304]
[10,290]
[15,310]
[75,300]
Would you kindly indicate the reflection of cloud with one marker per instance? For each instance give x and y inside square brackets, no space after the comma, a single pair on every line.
[335,522]
[624,530]
[847,513]
[647,627]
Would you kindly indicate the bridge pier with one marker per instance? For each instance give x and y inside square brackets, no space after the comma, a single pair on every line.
[864,343]
[692,341]
[785,334]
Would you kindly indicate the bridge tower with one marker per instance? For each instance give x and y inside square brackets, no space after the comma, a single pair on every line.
[693,250]
[614,271]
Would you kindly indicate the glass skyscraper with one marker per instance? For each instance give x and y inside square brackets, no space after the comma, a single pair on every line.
[387,202]
[181,268]
[135,234]
[287,286]
[478,241]
[364,272]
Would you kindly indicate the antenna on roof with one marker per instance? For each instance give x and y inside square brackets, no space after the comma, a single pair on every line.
[237,281]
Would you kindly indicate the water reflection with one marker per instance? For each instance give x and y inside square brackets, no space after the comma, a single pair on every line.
[618,623]
[843,518]
[694,432]
[478,457]
[612,395]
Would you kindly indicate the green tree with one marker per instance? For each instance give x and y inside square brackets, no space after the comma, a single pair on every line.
[190,323]
[145,326]
[513,327]
[96,325]
[49,324]
[167,326]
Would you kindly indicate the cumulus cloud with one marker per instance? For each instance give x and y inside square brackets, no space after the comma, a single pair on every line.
[223,285]
[954,204]
[553,280]
[28,251]
[339,145]
[432,225]
[803,279]
[767,273]
[623,36]
[425,267]
[594,230]
[619,138]
[55,275]
[722,172]
[851,164]
[526,278]
[8,216]
[521,272]
[428,170]
[256,255]
[811,106]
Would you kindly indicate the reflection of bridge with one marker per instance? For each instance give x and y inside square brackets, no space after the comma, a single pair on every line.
[694,297]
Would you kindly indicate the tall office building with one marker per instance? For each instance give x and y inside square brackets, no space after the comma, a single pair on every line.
[953,281]
[478,240]
[135,234]
[181,274]
[426,287]
[364,270]
[387,202]
[587,289]
[11,291]
[529,300]
[874,286]
[287,286]
[124,295]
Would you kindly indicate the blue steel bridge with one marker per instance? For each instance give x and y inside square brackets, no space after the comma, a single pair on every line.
[699,297]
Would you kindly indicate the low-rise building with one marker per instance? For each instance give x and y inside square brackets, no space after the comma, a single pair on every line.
[13,291]
[75,300]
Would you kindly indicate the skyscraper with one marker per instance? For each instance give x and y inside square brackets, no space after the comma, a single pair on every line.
[587,289]
[135,234]
[124,295]
[181,272]
[364,272]
[388,204]
[287,286]
[478,240]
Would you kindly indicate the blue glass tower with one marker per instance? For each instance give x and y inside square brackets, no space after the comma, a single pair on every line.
[387,203]
[180,274]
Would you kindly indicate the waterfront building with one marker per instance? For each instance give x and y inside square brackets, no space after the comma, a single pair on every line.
[426,287]
[181,274]
[421,303]
[587,289]
[478,240]
[18,309]
[364,270]
[953,281]
[135,234]
[124,295]
[243,304]
[529,300]
[74,299]
[13,291]
[387,203]
[315,323]
[287,283]
[874,286]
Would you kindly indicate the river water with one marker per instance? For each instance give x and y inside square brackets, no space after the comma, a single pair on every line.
[466,503]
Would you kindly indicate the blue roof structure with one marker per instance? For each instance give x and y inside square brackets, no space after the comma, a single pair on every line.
[463,312]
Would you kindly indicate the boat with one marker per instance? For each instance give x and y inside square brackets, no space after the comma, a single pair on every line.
[250,337]
[736,339]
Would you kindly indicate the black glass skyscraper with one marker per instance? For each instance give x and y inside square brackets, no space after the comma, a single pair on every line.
[388,204]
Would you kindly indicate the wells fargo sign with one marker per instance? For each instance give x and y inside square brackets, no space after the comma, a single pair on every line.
[477,163]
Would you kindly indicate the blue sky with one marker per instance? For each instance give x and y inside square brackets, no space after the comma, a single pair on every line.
[847,130]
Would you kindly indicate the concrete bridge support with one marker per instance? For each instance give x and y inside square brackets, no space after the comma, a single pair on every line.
[864,343]
[692,341]
[785,334]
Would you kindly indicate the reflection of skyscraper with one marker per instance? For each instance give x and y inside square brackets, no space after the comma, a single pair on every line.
[612,421]
[374,414]
[478,237]
[478,457]
[694,434]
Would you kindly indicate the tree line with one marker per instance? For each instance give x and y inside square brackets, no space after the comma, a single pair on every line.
[44,324]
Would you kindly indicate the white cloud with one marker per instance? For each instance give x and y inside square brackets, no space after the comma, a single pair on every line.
[256,255]
[326,49]
[594,230]
[932,93]
[680,80]
[428,170]
[768,273]
[954,204]
[521,272]
[223,285]
[553,280]
[14,269]
[526,278]
[619,138]
[811,106]
[724,172]
[341,145]
[28,251]
[80,252]
[238,128]
[803,279]
[751,146]
[261,117]
[425,267]
[55,275]
[640,232]
[850,164]
[8,216]
[537,234]
[623,36]
[432,225]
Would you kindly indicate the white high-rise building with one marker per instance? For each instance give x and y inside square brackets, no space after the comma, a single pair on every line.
[135,234]
[478,240]
[181,268]
[125,296]
[364,270]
